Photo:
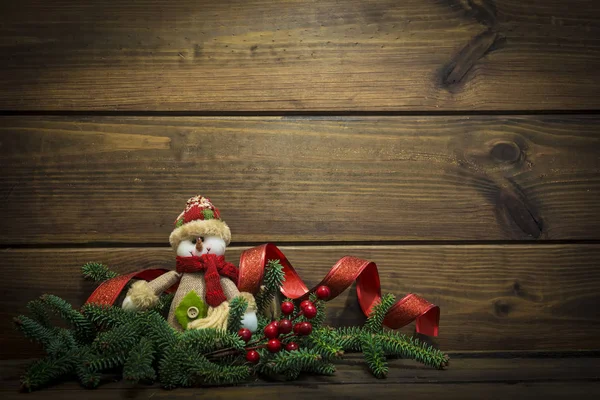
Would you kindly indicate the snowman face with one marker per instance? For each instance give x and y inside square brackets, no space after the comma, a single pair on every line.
[201,245]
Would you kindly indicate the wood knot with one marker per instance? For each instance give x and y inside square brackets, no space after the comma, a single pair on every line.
[502,308]
[522,213]
[506,152]
[461,63]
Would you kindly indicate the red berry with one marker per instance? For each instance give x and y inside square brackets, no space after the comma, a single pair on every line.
[287,307]
[310,312]
[274,345]
[245,334]
[285,326]
[323,292]
[271,331]
[291,346]
[253,356]
[305,328]
[297,327]
[306,303]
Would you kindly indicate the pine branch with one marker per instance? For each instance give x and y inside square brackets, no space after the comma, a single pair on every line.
[47,370]
[204,341]
[83,328]
[61,343]
[395,344]
[273,279]
[34,330]
[215,374]
[350,338]
[105,317]
[318,320]
[138,365]
[262,322]
[87,376]
[374,356]
[97,272]
[325,342]
[179,367]
[163,335]
[301,359]
[164,303]
[97,363]
[322,369]
[39,313]
[374,322]
[117,340]
[237,308]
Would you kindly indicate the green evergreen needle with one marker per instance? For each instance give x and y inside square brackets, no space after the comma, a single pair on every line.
[190,300]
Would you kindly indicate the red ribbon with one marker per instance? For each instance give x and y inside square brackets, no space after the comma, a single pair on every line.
[108,291]
[341,276]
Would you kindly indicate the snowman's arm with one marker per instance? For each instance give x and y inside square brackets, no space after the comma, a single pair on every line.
[143,295]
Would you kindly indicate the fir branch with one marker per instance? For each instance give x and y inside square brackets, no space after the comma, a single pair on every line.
[83,328]
[262,322]
[117,340]
[163,335]
[374,356]
[237,308]
[398,345]
[272,281]
[39,313]
[204,341]
[138,365]
[105,317]
[374,322]
[87,376]
[47,370]
[268,367]
[170,373]
[350,338]
[34,330]
[322,369]
[301,359]
[97,272]
[215,374]
[98,363]
[61,342]
[180,367]
[326,343]
[164,303]
[318,320]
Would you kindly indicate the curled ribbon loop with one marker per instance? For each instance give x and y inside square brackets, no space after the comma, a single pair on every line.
[341,276]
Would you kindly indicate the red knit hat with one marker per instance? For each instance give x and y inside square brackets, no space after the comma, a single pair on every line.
[200,218]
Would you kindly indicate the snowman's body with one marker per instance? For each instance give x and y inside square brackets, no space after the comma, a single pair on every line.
[188,243]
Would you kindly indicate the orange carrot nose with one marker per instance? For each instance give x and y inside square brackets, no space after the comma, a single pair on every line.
[199,244]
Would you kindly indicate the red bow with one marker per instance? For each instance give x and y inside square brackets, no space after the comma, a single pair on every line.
[215,267]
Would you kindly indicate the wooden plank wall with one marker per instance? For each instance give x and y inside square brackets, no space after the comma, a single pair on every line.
[455,143]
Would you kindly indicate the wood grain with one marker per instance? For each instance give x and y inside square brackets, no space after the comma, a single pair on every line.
[254,55]
[350,370]
[125,179]
[494,297]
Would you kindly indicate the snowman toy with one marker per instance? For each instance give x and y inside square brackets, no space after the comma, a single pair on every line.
[207,283]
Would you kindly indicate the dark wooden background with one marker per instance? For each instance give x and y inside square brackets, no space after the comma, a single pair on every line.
[453,142]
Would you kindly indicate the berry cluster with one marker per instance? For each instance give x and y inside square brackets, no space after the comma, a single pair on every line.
[284,329]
